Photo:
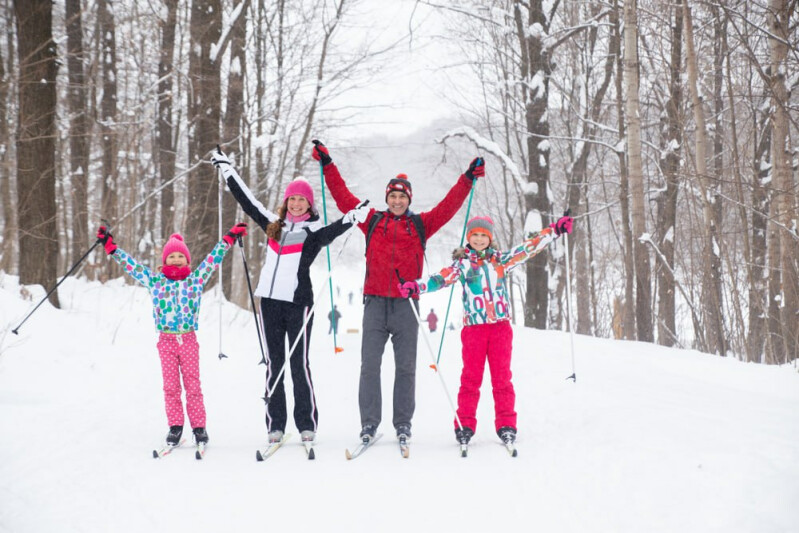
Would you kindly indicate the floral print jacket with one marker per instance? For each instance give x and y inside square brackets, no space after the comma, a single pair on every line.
[483,276]
[176,303]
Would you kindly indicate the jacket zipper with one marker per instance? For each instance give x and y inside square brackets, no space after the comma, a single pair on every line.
[277,263]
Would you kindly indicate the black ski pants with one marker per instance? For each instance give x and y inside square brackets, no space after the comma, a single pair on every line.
[282,319]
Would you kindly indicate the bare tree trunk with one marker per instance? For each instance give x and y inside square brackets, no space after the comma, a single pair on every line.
[204,111]
[643,289]
[667,201]
[38,251]
[714,341]
[79,129]
[108,109]
[232,128]
[7,259]
[167,144]
[628,309]
[784,204]
[535,71]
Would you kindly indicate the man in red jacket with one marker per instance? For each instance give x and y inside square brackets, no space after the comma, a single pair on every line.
[394,253]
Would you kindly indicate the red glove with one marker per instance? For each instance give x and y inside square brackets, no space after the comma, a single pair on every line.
[320,153]
[237,231]
[107,239]
[408,288]
[477,169]
[563,225]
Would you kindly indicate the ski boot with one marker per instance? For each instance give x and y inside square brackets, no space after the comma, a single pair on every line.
[174,435]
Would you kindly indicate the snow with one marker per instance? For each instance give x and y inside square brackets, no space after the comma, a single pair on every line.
[646,439]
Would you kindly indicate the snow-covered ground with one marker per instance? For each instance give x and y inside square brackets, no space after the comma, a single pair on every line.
[647,439]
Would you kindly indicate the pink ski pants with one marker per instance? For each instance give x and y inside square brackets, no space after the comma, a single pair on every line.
[180,355]
[492,342]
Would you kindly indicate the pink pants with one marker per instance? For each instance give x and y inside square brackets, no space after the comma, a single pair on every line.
[495,343]
[180,354]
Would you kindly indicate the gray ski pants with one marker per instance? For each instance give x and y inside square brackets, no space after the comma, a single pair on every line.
[384,318]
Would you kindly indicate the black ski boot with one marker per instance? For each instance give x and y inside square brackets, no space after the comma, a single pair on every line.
[368,432]
[174,435]
[507,434]
[404,430]
[200,436]
[463,436]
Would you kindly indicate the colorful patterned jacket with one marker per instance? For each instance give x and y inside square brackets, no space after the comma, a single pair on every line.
[483,277]
[176,304]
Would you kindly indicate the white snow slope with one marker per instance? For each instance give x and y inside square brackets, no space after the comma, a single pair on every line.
[647,438]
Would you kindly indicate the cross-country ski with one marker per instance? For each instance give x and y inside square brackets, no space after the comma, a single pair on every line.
[364,445]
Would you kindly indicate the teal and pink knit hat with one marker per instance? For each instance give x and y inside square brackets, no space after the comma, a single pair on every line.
[480,225]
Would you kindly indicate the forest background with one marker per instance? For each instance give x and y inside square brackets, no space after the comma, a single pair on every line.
[668,129]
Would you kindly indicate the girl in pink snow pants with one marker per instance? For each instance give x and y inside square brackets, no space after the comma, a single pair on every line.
[176,291]
[487,334]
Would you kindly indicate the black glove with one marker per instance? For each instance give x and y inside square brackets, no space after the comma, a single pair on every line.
[476,169]
[320,153]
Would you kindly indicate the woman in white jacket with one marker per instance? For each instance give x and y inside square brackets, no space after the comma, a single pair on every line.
[295,235]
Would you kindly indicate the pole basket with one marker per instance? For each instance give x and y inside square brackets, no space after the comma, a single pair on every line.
[339,349]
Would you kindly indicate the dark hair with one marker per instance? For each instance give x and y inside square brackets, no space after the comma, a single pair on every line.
[275,229]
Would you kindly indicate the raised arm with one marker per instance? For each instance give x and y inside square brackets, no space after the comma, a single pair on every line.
[442,213]
[345,200]
[212,261]
[535,243]
[249,204]
[133,268]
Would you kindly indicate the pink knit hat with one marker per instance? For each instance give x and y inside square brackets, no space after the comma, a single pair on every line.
[175,244]
[302,188]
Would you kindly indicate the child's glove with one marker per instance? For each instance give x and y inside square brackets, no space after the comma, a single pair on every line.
[476,169]
[239,230]
[408,288]
[320,153]
[218,158]
[563,225]
[107,239]
[357,215]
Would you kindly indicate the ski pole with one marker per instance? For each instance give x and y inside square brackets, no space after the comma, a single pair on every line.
[434,366]
[79,261]
[573,377]
[221,285]
[452,289]
[336,348]
[269,391]
[252,301]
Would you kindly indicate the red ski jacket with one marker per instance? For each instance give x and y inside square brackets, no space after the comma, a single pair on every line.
[395,245]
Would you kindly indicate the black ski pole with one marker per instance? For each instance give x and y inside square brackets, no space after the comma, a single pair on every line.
[16,330]
[252,301]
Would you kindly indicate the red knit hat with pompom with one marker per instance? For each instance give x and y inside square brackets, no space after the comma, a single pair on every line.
[400,184]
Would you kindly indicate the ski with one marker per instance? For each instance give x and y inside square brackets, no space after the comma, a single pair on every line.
[166,449]
[309,451]
[269,451]
[511,447]
[405,449]
[199,453]
[364,444]
[464,450]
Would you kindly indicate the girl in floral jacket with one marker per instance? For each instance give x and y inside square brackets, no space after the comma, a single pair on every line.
[176,291]
[487,334]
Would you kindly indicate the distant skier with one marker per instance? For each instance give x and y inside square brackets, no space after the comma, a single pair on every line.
[334,316]
[487,334]
[295,236]
[176,291]
[395,241]
[432,321]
